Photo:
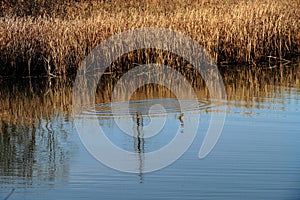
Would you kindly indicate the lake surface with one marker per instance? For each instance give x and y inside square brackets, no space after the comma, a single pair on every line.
[256,157]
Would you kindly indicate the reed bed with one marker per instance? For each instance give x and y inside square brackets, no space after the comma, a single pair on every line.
[55,42]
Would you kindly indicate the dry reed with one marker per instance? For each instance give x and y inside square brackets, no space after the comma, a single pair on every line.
[232,31]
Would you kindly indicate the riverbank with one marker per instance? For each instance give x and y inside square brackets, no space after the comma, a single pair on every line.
[231,31]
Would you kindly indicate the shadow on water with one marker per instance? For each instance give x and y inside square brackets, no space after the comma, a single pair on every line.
[36,123]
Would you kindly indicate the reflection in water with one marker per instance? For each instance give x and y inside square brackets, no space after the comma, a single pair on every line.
[246,87]
[35,153]
[20,105]
[35,123]
[139,143]
[35,140]
[16,150]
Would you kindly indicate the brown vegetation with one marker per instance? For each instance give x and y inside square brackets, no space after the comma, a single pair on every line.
[55,36]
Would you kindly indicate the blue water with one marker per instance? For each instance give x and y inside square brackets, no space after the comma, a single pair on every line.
[256,157]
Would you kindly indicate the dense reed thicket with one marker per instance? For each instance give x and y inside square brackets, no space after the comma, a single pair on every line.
[39,37]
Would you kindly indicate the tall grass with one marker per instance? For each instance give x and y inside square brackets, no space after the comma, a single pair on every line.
[55,41]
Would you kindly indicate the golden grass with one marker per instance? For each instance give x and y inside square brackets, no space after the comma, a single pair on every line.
[232,31]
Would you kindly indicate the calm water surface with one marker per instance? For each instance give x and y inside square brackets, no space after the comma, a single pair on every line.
[256,157]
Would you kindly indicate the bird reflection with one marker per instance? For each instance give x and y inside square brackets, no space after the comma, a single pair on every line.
[139,143]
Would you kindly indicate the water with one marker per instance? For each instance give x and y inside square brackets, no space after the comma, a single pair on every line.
[256,156]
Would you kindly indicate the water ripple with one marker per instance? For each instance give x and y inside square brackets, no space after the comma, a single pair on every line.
[141,107]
